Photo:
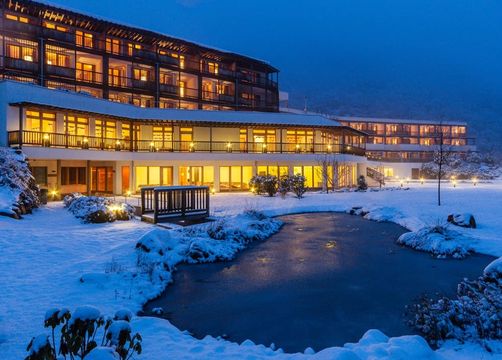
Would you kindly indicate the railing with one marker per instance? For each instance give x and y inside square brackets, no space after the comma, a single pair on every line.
[166,202]
[21,64]
[375,175]
[58,140]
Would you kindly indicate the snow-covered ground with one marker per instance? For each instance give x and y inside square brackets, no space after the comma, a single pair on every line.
[45,256]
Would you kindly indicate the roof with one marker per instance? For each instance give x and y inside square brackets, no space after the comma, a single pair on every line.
[16,93]
[99,24]
[398,121]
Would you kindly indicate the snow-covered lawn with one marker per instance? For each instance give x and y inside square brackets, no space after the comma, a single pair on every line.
[45,256]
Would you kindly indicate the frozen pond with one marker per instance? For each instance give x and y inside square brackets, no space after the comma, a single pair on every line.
[322,281]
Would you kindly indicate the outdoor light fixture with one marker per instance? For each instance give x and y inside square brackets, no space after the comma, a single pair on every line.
[454,183]
[422,180]
[329,148]
[192,145]
[85,140]
[54,194]
[475,181]
[152,146]
[407,180]
[401,182]
[213,191]
[229,147]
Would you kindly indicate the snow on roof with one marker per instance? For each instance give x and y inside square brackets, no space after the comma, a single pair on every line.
[375,119]
[16,92]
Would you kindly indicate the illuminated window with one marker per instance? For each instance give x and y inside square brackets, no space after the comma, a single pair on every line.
[113,46]
[83,39]
[105,129]
[21,19]
[131,48]
[388,172]
[57,56]
[40,121]
[212,67]
[53,26]
[77,125]
[182,89]
[86,72]
[162,137]
[126,131]
[141,74]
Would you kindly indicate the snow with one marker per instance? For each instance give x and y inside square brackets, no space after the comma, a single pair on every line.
[102,353]
[438,240]
[116,328]
[24,92]
[50,259]
[39,342]
[494,269]
[85,313]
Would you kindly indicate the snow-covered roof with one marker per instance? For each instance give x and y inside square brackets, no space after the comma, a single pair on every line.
[398,121]
[24,93]
[375,119]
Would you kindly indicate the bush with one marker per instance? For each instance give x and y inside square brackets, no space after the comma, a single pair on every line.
[297,185]
[474,314]
[68,199]
[284,185]
[79,333]
[264,184]
[361,183]
[94,209]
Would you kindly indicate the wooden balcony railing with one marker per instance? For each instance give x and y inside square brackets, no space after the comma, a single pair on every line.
[58,140]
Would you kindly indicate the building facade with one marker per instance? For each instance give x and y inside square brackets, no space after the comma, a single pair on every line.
[75,142]
[399,147]
[62,49]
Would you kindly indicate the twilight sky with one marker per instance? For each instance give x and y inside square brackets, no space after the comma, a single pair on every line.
[401,58]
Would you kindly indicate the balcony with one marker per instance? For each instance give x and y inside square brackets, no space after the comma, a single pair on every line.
[60,71]
[17,27]
[20,64]
[59,140]
[66,37]
[87,76]
[143,84]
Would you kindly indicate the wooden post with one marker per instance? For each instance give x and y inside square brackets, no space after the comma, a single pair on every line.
[155,206]
[183,202]
[21,123]
[207,201]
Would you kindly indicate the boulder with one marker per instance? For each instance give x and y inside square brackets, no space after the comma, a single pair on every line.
[464,220]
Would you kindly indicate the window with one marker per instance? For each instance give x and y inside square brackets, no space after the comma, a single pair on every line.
[21,49]
[113,46]
[131,48]
[106,129]
[53,26]
[83,39]
[186,134]
[163,137]
[212,67]
[19,18]
[153,175]
[40,121]
[168,77]
[57,56]
[302,139]
[141,74]
[73,176]
[77,125]
[264,140]
[40,174]
[126,131]
[86,72]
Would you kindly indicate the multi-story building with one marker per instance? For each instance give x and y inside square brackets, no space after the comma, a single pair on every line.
[399,147]
[76,142]
[62,49]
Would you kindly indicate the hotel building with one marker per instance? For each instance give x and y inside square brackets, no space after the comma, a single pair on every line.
[398,147]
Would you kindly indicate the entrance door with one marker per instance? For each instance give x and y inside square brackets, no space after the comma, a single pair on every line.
[126,185]
[102,179]
[167,175]
[190,175]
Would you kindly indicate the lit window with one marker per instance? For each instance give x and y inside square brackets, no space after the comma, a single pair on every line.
[21,19]
[113,46]
[83,39]
[53,26]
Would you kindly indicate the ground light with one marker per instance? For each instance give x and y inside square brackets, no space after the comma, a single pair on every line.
[421,180]
[213,191]
[474,181]
[127,194]
[54,194]
[454,182]
[401,182]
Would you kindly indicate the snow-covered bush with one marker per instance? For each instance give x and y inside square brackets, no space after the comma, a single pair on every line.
[80,333]
[19,193]
[284,185]
[264,184]
[438,240]
[361,183]
[475,313]
[297,184]
[68,199]
[94,209]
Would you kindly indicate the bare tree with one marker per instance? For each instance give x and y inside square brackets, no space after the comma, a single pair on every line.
[330,171]
[442,157]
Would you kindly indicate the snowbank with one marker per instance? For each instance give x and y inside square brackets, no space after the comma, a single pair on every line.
[94,209]
[438,240]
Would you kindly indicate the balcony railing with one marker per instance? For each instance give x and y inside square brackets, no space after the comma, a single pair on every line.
[59,140]
[20,64]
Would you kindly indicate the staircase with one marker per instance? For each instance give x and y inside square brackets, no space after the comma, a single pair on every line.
[375,175]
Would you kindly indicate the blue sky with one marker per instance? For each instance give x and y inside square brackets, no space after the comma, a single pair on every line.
[438,58]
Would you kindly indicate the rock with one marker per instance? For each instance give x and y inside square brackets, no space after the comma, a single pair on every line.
[157,311]
[464,220]
[358,210]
